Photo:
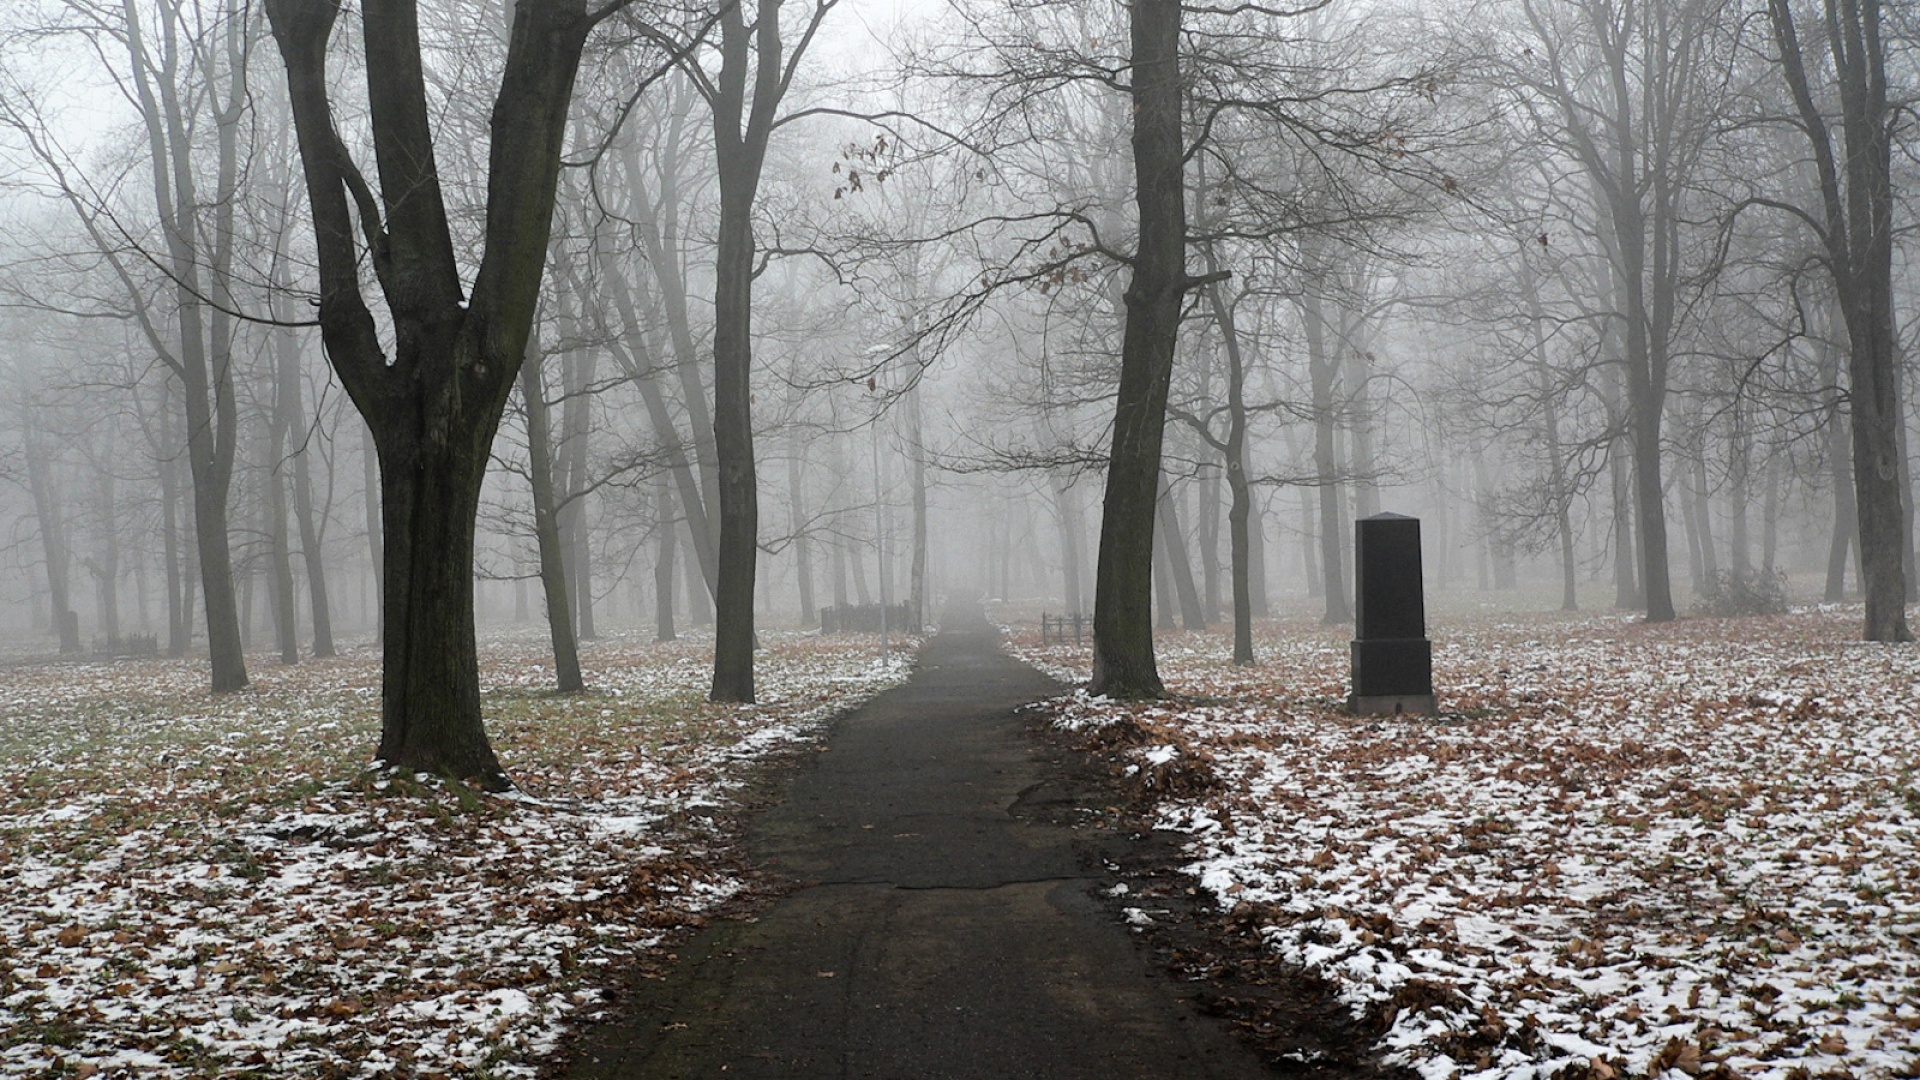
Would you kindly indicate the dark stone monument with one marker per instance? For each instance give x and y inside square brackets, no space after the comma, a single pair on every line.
[1392,658]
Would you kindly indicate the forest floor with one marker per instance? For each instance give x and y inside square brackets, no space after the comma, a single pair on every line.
[1622,850]
[196,886]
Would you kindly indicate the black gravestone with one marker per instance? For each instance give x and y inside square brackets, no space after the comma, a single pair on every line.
[1392,658]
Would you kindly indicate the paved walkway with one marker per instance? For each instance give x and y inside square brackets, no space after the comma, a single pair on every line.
[943,929]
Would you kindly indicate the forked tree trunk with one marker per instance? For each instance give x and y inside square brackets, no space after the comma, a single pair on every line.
[754,74]
[435,405]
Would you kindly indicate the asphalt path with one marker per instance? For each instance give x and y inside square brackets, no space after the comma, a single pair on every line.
[944,924]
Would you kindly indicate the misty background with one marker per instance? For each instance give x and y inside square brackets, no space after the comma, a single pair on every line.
[1506,266]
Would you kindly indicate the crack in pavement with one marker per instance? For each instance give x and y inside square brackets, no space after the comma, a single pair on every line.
[943,924]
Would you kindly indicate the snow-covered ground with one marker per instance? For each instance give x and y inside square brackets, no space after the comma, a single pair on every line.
[1621,850]
[201,886]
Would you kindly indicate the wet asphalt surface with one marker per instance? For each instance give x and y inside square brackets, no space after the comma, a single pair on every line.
[944,922]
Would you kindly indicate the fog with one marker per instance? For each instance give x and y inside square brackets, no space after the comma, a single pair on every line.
[1549,276]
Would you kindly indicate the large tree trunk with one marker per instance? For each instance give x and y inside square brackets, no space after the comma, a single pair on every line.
[739,546]
[430,685]
[1123,660]
[435,405]
[739,152]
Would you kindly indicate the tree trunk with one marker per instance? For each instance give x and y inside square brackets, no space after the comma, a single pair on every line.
[641,364]
[1067,508]
[1164,604]
[546,525]
[1258,589]
[863,593]
[752,79]
[917,581]
[48,512]
[1561,492]
[370,478]
[1770,522]
[1856,196]
[578,369]
[1123,660]
[1310,545]
[839,549]
[1174,540]
[179,605]
[435,404]
[430,683]
[1739,490]
[1323,364]
[286,625]
[106,565]
[797,521]
[699,597]
[733,433]
[668,542]
[1210,545]
[311,547]
[1703,512]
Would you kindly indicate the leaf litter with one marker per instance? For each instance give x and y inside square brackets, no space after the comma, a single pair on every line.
[199,886]
[1622,850]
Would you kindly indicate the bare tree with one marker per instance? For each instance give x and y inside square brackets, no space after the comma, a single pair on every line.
[434,404]
[1855,227]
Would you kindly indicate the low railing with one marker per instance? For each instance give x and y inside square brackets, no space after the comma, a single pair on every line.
[1055,628]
